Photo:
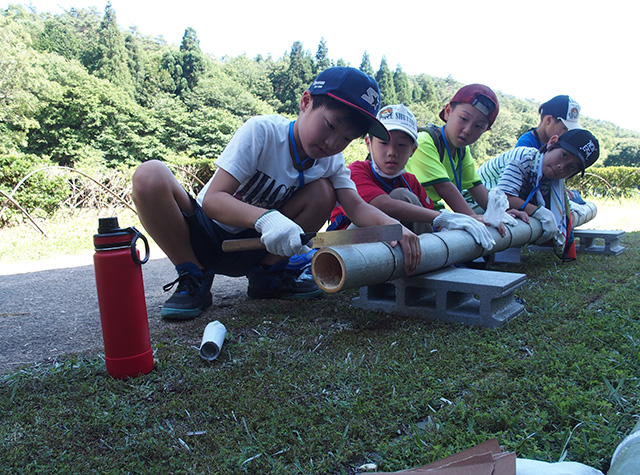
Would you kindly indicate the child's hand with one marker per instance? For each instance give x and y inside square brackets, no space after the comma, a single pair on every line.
[411,250]
[280,235]
[500,227]
[519,214]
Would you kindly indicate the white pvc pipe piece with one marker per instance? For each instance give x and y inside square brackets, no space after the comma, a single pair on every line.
[360,265]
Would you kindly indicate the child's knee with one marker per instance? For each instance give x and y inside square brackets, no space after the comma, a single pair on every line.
[148,178]
[323,194]
[323,190]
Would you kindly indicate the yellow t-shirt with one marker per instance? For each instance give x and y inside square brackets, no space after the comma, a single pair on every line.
[425,164]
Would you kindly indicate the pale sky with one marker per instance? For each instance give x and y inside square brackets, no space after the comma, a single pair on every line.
[532,50]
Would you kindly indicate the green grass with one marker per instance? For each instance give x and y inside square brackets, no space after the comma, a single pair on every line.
[67,233]
[321,387]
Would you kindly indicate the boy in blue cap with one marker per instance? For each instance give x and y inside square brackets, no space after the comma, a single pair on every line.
[557,115]
[276,179]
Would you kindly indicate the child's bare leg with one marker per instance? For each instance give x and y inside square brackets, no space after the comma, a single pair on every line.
[160,200]
[310,207]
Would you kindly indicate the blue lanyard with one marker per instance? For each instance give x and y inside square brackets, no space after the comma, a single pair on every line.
[457,176]
[300,163]
[533,192]
[388,188]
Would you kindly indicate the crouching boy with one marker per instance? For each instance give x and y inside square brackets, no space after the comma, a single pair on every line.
[276,179]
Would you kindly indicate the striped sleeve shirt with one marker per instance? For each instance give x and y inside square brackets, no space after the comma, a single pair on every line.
[514,172]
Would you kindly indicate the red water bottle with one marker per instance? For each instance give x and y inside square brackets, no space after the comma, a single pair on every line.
[123,310]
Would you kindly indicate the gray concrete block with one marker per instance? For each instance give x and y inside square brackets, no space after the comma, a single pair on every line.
[468,296]
[594,241]
[510,255]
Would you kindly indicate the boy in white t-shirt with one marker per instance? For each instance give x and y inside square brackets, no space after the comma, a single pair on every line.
[276,179]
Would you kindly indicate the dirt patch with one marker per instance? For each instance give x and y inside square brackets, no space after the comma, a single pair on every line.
[50,308]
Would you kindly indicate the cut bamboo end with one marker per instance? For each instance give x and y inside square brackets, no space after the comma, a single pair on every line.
[328,270]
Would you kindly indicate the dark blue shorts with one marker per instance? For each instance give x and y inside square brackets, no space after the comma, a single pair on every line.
[206,240]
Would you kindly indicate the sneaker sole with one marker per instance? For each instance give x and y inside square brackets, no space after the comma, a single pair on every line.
[169,313]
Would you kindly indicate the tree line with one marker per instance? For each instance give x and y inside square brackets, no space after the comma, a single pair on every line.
[77,91]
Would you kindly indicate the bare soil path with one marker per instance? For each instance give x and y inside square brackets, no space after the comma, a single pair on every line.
[50,308]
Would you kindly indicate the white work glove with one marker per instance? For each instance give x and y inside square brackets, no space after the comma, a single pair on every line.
[497,207]
[548,222]
[580,210]
[479,231]
[280,235]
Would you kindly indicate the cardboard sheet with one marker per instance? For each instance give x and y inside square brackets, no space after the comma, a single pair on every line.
[487,458]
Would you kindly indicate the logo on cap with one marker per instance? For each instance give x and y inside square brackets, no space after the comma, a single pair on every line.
[574,113]
[372,98]
[385,113]
[588,148]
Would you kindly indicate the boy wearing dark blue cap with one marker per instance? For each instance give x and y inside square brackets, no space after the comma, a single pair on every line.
[557,115]
[276,179]
[534,182]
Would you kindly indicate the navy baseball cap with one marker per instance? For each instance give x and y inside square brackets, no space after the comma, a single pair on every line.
[355,89]
[563,108]
[582,144]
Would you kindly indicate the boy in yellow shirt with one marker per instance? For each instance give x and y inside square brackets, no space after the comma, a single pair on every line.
[443,163]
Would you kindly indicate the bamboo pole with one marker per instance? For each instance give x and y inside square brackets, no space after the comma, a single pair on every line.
[360,265]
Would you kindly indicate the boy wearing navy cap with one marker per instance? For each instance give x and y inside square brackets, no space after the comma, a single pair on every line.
[557,115]
[276,179]
[443,163]
[534,182]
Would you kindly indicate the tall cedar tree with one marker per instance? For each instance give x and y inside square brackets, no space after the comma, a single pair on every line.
[111,60]
[322,57]
[402,86]
[365,65]
[191,59]
[384,76]
[297,78]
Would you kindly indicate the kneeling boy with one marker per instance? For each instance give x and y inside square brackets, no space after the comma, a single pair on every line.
[382,181]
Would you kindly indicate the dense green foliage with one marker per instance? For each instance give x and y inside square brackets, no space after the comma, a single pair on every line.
[75,89]
[611,182]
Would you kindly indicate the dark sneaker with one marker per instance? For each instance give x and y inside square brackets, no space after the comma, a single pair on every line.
[279,282]
[192,295]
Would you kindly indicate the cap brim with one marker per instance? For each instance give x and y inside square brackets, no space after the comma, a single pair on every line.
[378,130]
[405,130]
[375,126]
[570,124]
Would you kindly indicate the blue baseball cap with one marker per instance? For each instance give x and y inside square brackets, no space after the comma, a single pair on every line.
[355,89]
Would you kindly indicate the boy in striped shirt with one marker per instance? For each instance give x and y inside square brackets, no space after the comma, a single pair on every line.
[533,180]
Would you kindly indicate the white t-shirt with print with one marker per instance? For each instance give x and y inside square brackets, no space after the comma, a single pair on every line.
[258,157]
